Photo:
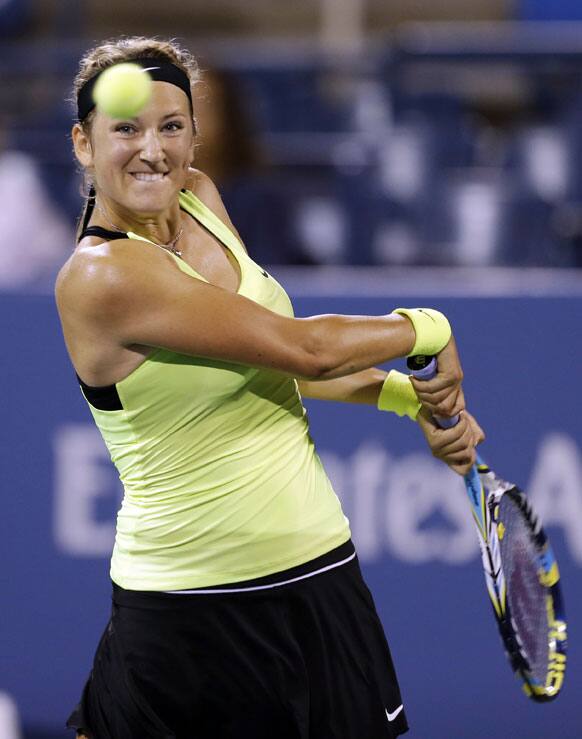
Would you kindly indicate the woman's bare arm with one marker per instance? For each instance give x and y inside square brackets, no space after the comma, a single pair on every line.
[359,387]
[123,290]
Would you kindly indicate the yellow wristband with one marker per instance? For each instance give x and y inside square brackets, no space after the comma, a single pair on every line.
[397,395]
[432,329]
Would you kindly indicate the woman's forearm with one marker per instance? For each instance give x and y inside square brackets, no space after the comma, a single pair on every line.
[346,345]
[360,387]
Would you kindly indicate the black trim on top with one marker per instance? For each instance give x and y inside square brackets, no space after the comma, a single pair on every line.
[105,398]
[102,233]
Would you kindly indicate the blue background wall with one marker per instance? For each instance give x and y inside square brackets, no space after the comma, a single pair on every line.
[549,10]
[522,359]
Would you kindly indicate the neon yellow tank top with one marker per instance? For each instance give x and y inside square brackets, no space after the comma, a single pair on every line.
[221,479]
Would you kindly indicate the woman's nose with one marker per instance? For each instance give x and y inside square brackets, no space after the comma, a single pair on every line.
[152,149]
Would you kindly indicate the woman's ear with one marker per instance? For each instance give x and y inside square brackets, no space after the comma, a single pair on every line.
[82,146]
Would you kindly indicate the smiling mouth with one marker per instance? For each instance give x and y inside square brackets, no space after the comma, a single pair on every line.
[149,176]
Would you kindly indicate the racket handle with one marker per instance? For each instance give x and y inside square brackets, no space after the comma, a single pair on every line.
[425,368]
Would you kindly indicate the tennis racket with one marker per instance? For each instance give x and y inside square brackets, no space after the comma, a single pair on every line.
[521,571]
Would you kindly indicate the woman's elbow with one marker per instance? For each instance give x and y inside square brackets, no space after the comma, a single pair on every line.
[313,365]
[310,353]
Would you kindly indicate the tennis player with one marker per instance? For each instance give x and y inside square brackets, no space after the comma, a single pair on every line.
[239,609]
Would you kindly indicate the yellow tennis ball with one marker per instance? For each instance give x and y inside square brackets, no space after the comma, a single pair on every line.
[123,91]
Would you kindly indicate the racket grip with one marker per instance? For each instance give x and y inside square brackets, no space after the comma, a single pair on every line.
[425,368]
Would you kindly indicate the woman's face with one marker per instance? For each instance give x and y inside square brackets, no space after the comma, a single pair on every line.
[139,165]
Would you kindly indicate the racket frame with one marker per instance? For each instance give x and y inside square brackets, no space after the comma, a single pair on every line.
[548,574]
[485,490]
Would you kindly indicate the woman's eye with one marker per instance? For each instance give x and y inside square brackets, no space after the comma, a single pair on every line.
[125,128]
[173,126]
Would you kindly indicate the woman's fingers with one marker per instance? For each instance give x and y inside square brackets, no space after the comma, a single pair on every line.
[440,382]
[478,433]
[443,396]
[460,444]
[446,402]
[462,469]
[441,437]
[448,361]
[459,457]
[448,406]
[454,446]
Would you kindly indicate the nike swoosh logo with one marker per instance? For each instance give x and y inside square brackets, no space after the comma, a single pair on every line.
[424,313]
[392,716]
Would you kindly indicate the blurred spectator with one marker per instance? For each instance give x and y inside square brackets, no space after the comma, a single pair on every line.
[9,721]
[14,16]
[229,153]
[228,148]
[36,239]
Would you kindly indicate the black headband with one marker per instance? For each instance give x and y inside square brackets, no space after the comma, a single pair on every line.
[158,69]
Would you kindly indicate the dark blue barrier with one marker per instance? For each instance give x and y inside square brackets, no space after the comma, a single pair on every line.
[522,359]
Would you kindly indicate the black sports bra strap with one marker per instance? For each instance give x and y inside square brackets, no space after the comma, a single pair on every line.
[102,233]
[105,398]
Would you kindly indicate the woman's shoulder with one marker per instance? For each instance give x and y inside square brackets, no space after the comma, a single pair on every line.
[205,190]
[96,272]
[201,185]
[89,258]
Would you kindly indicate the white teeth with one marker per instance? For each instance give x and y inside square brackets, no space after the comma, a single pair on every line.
[148,176]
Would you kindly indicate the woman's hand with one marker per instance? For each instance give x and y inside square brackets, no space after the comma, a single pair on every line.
[443,395]
[454,446]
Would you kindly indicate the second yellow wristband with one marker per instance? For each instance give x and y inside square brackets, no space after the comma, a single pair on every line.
[397,395]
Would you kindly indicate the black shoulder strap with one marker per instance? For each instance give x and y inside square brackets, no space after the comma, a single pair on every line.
[102,233]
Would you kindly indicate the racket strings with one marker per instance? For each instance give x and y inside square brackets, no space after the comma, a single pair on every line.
[526,596]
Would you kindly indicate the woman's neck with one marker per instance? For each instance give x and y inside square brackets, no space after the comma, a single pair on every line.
[161,229]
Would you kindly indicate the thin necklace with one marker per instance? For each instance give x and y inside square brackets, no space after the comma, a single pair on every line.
[170,246]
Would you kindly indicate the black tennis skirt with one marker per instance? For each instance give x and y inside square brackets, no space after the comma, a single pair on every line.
[296,655]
